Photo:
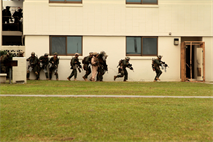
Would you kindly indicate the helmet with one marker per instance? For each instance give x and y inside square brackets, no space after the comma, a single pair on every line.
[33,53]
[127,58]
[103,52]
[90,53]
[159,56]
[56,53]
[45,54]
[95,53]
[77,54]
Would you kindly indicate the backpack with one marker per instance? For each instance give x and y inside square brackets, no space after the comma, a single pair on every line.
[120,62]
[84,60]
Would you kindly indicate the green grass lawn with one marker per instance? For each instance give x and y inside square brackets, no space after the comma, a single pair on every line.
[105,119]
[109,88]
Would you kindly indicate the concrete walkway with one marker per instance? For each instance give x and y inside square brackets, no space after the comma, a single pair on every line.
[104,96]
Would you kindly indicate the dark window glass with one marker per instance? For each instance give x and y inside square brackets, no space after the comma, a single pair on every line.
[149,46]
[142,1]
[133,45]
[133,1]
[66,45]
[149,1]
[58,45]
[66,1]
[141,46]
[57,0]
[74,45]
[73,0]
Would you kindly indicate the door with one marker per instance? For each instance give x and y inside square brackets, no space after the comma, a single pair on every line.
[199,59]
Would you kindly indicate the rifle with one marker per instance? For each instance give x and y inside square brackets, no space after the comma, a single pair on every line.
[164,65]
[130,67]
[76,61]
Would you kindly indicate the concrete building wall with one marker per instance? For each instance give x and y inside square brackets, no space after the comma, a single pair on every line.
[115,18]
[104,25]
[115,48]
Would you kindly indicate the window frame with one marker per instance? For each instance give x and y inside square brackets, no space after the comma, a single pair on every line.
[50,44]
[141,3]
[142,46]
[65,1]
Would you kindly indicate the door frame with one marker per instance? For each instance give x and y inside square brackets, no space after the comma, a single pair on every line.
[183,58]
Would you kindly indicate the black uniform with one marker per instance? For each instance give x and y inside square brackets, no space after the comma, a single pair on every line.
[54,67]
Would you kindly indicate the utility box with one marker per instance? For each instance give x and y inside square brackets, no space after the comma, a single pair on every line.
[19,71]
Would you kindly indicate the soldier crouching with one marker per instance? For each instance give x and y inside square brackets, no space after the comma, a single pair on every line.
[53,65]
[44,61]
[33,61]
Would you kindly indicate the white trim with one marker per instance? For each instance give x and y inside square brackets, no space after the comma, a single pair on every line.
[65,5]
[141,58]
[141,6]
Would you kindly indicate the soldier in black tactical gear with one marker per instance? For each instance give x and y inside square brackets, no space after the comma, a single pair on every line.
[122,68]
[75,64]
[43,63]
[87,61]
[33,66]
[53,65]
[156,67]
[4,59]
[102,68]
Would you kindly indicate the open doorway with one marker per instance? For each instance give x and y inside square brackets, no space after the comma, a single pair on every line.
[193,61]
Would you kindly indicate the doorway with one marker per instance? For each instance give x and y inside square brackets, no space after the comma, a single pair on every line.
[193,61]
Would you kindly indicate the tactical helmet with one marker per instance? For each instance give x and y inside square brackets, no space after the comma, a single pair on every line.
[95,53]
[103,52]
[33,53]
[77,54]
[45,54]
[90,53]
[159,56]
[127,58]
[56,53]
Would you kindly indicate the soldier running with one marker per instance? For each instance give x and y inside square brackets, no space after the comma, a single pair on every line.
[102,65]
[122,68]
[156,67]
[75,64]
[87,61]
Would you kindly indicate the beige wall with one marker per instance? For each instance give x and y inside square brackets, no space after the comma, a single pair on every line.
[104,25]
[115,18]
[209,58]
[115,48]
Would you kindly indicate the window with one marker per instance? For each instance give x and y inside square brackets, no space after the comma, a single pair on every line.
[65,1]
[142,46]
[66,45]
[141,1]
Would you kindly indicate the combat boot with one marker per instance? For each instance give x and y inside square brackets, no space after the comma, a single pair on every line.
[46,74]
[115,78]
[68,78]
[28,76]
[157,78]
